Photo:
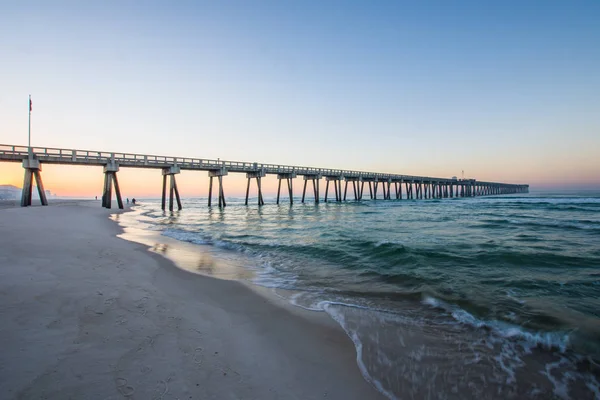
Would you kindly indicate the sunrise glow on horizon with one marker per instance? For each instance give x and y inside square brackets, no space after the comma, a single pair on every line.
[506,91]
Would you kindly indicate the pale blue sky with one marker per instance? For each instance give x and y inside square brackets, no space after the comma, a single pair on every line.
[506,90]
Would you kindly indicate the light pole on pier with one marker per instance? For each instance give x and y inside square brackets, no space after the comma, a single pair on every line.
[29,134]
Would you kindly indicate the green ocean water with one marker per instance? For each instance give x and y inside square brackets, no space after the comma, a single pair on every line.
[488,297]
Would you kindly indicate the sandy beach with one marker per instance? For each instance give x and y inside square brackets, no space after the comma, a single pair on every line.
[87,315]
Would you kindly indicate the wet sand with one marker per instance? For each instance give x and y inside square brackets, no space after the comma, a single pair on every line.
[86,314]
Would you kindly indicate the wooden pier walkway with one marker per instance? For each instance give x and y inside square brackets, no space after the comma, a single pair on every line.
[415,187]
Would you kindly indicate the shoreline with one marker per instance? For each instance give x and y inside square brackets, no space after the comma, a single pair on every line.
[90,313]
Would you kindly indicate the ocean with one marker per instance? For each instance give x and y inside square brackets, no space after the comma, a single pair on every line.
[486,297]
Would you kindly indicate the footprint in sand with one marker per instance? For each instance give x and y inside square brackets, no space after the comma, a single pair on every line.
[123,388]
[109,301]
[145,369]
[198,355]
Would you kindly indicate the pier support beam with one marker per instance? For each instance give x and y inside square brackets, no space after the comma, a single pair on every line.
[258,175]
[288,178]
[315,183]
[219,174]
[345,189]
[387,189]
[337,186]
[110,179]
[173,191]
[32,171]
[361,188]
[355,181]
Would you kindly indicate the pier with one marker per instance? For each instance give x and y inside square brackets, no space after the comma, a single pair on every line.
[416,187]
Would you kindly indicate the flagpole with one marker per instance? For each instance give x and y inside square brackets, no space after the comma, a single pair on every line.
[29,135]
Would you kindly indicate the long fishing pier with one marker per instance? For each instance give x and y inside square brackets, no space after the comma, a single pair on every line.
[416,187]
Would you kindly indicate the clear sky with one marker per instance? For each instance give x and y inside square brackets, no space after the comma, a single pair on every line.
[504,90]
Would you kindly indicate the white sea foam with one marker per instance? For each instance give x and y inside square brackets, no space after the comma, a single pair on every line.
[353,335]
[528,339]
[432,301]
[512,295]
[318,306]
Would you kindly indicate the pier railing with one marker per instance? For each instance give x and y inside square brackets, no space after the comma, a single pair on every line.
[52,155]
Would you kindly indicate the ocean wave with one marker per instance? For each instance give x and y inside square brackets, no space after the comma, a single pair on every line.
[388,242]
[502,201]
[185,236]
[271,277]
[203,239]
[539,223]
[530,257]
[549,340]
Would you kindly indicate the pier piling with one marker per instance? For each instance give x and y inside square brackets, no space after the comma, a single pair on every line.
[218,173]
[32,172]
[173,191]
[258,175]
[337,182]
[398,186]
[315,184]
[110,179]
